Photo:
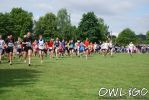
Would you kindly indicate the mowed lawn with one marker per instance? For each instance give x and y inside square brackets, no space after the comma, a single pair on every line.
[73,78]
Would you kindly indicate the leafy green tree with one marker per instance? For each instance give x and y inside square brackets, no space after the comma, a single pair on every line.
[71,33]
[141,38]
[65,29]
[113,38]
[103,29]
[63,20]
[6,24]
[126,36]
[46,25]
[147,37]
[91,27]
[22,21]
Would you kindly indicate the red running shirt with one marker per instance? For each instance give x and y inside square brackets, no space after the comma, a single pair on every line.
[86,43]
[50,44]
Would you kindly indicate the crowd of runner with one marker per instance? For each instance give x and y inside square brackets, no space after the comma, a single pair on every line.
[26,47]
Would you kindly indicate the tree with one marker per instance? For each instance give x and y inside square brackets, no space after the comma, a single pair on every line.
[46,25]
[113,38]
[141,38]
[147,37]
[6,24]
[103,28]
[91,27]
[71,33]
[22,21]
[126,36]
[64,26]
[63,20]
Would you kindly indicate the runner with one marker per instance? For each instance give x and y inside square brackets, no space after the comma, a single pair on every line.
[41,46]
[77,47]
[57,44]
[95,48]
[71,47]
[67,48]
[46,48]
[111,48]
[104,48]
[19,47]
[91,48]
[131,48]
[51,47]
[2,43]
[27,42]
[35,47]
[63,47]
[81,49]
[6,49]
[86,44]
[10,46]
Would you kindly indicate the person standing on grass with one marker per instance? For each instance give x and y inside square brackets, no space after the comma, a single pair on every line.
[46,48]
[95,47]
[63,47]
[2,44]
[41,46]
[131,47]
[19,47]
[27,42]
[24,50]
[111,48]
[86,44]
[148,48]
[10,47]
[77,46]
[51,47]
[57,44]
[71,47]
[104,48]
[6,49]
[91,46]
[35,47]
[67,48]
[81,49]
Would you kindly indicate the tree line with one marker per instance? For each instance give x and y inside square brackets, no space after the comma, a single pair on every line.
[18,22]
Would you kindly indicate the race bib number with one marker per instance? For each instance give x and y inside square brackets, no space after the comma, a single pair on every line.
[19,46]
[29,44]
[50,48]
[71,46]
[41,46]
[1,45]
[10,44]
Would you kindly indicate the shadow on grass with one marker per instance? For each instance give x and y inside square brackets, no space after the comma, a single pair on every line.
[14,77]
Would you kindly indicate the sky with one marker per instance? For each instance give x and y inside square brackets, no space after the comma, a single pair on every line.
[117,14]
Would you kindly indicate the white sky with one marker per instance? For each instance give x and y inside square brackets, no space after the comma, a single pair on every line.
[118,14]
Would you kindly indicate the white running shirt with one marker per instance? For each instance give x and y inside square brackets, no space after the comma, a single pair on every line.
[41,44]
[2,44]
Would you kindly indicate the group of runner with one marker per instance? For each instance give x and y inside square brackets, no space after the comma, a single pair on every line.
[23,47]
[27,46]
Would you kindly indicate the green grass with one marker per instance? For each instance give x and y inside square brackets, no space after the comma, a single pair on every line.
[73,78]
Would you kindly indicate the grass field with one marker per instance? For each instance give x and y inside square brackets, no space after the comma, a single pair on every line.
[73,78]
